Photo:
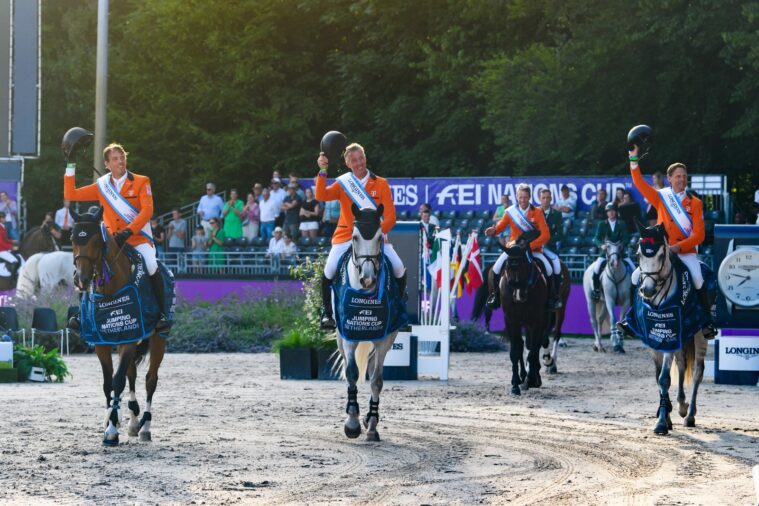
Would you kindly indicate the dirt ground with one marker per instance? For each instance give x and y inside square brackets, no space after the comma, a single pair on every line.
[227,430]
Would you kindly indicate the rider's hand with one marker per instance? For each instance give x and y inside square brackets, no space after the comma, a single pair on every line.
[634,151]
[603,247]
[122,237]
[322,161]
[490,231]
[675,248]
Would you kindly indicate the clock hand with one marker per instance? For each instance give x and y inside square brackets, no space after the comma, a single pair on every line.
[739,284]
[739,276]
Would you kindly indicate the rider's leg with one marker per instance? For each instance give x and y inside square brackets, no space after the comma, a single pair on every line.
[553,259]
[630,264]
[550,278]
[399,270]
[148,253]
[598,266]
[694,267]
[330,269]
[494,297]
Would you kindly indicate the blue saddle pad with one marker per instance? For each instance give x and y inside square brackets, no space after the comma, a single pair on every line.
[368,316]
[676,320]
[132,312]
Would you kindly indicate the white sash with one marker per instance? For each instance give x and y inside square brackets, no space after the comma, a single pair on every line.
[119,204]
[356,191]
[676,211]
[519,219]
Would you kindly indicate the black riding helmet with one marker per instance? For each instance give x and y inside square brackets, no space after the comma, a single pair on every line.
[641,136]
[74,140]
[333,146]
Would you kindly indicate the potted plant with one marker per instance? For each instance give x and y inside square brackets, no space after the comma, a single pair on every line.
[26,358]
[297,356]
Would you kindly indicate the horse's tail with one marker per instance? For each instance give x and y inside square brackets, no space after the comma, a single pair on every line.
[363,352]
[29,276]
[689,356]
[480,296]
[142,350]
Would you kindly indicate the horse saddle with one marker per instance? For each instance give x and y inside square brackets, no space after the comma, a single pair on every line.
[677,319]
[368,316]
[10,269]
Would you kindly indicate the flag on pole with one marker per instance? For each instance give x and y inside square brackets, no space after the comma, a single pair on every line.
[455,261]
[474,272]
[436,263]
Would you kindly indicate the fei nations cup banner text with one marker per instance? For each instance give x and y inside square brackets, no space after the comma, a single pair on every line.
[484,193]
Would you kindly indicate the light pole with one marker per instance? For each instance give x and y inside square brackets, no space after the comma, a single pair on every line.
[101,86]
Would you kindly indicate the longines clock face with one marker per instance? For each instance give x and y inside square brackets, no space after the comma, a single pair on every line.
[738,277]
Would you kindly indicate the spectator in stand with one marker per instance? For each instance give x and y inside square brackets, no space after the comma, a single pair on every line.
[567,203]
[275,243]
[177,232]
[291,207]
[232,215]
[64,220]
[275,175]
[598,207]
[503,237]
[657,181]
[216,243]
[288,248]
[251,217]
[278,195]
[257,190]
[209,207]
[618,196]
[269,212]
[553,220]
[294,180]
[330,217]
[159,236]
[433,219]
[49,223]
[10,209]
[8,262]
[309,215]
[629,211]
[199,246]
[428,227]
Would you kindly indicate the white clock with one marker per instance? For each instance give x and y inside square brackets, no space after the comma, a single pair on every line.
[738,276]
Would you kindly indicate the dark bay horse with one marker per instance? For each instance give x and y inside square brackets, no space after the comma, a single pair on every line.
[555,322]
[103,267]
[37,240]
[524,294]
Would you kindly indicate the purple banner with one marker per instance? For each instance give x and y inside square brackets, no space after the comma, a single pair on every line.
[484,193]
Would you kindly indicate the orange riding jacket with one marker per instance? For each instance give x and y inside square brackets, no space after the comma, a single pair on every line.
[692,205]
[538,220]
[137,192]
[377,188]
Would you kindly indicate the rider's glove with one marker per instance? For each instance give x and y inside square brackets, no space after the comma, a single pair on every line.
[122,237]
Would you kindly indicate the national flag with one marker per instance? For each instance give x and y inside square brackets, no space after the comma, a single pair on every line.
[436,263]
[455,261]
[474,270]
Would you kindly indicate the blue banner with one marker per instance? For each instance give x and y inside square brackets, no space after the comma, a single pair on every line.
[484,193]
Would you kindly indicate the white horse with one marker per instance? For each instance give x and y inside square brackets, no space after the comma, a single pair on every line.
[616,286]
[43,272]
[357,357]
[658,283]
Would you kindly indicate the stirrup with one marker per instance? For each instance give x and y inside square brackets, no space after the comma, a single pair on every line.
[327,322]
[709,331]
[624,327]
[493,302]
[162,325]
[596,294]
[73,324]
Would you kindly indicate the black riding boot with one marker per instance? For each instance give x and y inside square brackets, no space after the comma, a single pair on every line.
[596,295]
[327,322]
[708,330]
[555,289]
[494,297]
[156,280]
[402,286]
[73,323]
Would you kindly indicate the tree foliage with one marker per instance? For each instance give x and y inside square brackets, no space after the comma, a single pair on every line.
[229,91]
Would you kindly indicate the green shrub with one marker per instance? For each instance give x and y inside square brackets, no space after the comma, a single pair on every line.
[25,358]
[472,337]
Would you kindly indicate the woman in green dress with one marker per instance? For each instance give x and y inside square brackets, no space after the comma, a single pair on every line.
[232,214]
[216,243]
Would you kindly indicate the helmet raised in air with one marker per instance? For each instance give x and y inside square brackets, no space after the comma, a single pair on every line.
[75,140]
[333,145]
[641,136]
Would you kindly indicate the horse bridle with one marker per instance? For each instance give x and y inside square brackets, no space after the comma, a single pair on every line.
[656,276]
[608,264]
[358,261]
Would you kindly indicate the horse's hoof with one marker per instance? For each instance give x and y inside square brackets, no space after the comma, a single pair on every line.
[515,390]
[553,369]
[682,408]
[145,436]
[111,442]
[535,383]
[689,422]
[372,435]
[669,423]
[661,429]
[353,433]
[618,349]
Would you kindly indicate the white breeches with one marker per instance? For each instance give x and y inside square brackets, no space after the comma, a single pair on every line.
[147,251]
[691,262]
[337,251]
[553,258]
[8,256]
[600,260]
[548,264]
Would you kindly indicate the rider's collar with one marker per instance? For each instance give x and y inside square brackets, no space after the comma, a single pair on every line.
[119,182]
[682,195]
[525,209]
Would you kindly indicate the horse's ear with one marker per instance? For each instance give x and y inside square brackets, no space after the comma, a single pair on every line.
[661,230]
[75,215]
[355,210]
[99,215]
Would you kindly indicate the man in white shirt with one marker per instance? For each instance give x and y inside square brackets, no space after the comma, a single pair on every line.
[269,208]
[433,219]
[210,206]
[275,243]
[567,203]
[64,220]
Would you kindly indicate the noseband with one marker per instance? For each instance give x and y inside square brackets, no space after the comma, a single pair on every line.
[656,275]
